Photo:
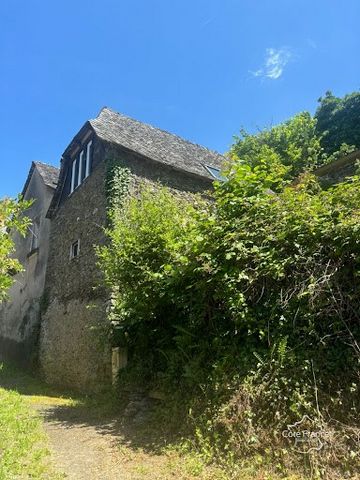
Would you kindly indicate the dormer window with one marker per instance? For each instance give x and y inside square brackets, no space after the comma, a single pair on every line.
[81,167]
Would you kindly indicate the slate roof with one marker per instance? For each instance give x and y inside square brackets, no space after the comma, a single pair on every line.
[154,143]
[48,173]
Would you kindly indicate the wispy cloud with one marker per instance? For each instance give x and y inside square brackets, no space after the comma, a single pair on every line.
[274,64]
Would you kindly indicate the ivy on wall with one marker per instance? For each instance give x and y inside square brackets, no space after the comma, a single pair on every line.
[117,183]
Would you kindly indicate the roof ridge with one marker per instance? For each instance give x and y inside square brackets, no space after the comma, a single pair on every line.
[160,130]
[37,162]
[156,144]
[49,177]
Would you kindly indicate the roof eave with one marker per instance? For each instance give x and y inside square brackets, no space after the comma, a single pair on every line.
[28,179]
[76,141]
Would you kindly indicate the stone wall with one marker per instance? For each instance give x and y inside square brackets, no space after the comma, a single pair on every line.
[74,351]
[338,170]
[20,314]
[146,170]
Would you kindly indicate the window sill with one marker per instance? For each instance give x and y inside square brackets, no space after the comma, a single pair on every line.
[78,186]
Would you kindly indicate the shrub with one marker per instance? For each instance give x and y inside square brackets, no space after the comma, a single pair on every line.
[248,307]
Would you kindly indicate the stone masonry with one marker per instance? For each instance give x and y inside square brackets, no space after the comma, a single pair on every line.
[74,348]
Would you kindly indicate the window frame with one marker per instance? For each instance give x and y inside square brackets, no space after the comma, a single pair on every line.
[34,229]
[72,249]
[73,173]
[81,166]
[88,159]
[217,176]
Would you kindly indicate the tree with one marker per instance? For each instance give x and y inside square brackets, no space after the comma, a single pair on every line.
[338,121]
[12,220]
[293,145]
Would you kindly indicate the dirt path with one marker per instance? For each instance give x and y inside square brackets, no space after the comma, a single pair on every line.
[84,446]
[86,443]
[79,450]
[90,439]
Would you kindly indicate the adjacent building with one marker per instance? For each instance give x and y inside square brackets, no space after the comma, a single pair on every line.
[339,170]
[20,314]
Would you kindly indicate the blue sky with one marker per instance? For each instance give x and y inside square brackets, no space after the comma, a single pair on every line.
[202,68]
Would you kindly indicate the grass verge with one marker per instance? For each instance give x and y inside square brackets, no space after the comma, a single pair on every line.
[150,449]
[23,452]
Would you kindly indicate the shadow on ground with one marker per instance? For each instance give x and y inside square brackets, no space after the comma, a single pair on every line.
[106,412]
[23,382]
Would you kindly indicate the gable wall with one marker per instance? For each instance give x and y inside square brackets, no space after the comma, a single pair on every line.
[71,353]
[73,350]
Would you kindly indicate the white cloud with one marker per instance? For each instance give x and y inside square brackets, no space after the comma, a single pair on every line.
[275,62]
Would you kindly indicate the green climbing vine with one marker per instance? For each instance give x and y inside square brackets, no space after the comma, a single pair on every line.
[117,183]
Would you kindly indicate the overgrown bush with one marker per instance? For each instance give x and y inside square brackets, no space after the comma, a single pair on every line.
[249,307]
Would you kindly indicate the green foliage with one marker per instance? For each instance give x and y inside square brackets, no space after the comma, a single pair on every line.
[293,146]
[117,185]
[144,247]
[240,304]
[304,142]
[338,121]
[11,220]
[245,309]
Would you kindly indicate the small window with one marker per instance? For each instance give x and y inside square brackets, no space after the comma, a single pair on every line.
[215,172]
[12,272]
[75,249]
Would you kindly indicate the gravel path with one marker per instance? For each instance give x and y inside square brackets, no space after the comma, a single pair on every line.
[80,450]
[87,441]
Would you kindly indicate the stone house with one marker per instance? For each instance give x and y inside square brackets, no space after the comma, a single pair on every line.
[57,308]
[20,314]
[73,350]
